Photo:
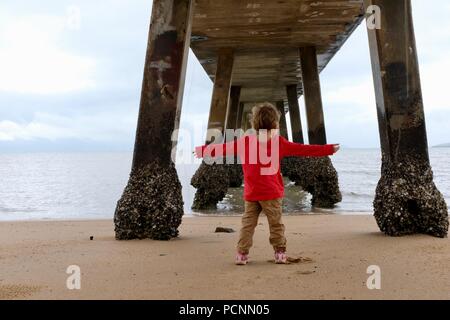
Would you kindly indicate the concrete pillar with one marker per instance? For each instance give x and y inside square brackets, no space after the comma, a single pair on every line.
[235,174]
[294,113]
[239,116]
[233,107]
[246,120]
[212,180]
[283,125]
[221,92]
[315,175]
[291,166]
[313,96]
[151,205]
[406,201]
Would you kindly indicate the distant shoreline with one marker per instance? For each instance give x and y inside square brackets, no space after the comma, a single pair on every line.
[6,151]
[442,146]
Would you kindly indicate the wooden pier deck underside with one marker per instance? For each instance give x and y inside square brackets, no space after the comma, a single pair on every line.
[266,36]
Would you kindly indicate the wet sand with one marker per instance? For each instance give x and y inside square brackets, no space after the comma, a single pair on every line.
[34,257]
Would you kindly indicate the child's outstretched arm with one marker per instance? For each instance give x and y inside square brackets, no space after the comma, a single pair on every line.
[216,150]
[308,150]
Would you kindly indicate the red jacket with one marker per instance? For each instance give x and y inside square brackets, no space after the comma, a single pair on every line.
[261,162]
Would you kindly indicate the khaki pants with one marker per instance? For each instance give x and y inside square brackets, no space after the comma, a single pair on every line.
[272,209]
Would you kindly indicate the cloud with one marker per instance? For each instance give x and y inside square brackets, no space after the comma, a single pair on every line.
[10,131]
[355,102]
[32,60]
[107,127]
[434,81]
[361,93]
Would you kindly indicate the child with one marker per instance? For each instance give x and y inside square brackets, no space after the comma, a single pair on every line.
[261,154]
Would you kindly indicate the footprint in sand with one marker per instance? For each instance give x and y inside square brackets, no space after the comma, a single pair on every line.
[291,260]
[17,291]
[305,272]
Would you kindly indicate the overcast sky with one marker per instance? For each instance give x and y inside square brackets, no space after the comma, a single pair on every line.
[69,83]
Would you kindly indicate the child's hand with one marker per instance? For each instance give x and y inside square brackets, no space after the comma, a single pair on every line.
[336,147]
[198,152]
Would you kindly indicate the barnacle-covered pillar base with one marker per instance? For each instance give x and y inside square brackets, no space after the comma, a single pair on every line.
[407,200]
[151,205]
[316,176]
[235,175]
[211,182]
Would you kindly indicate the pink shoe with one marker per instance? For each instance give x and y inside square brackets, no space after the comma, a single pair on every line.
[280,257]
[241,259]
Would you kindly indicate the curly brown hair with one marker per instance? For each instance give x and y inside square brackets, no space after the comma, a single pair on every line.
[265,116]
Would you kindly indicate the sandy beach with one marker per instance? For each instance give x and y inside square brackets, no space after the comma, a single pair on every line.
[34,257]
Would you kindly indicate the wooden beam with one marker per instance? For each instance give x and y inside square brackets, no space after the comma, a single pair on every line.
[267,35]
[294,113]
[221,91]
[283,125]
[313,96]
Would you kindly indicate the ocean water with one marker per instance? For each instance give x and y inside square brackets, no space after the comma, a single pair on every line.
[88,185]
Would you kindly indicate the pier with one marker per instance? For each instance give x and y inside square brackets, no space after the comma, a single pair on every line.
[274,51]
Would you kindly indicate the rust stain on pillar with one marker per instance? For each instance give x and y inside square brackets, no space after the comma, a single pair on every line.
[221,90]
[283,125]
[294,113]
[162,86]
[313,96]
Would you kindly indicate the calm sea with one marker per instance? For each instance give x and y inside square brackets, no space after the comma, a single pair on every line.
[87,185]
